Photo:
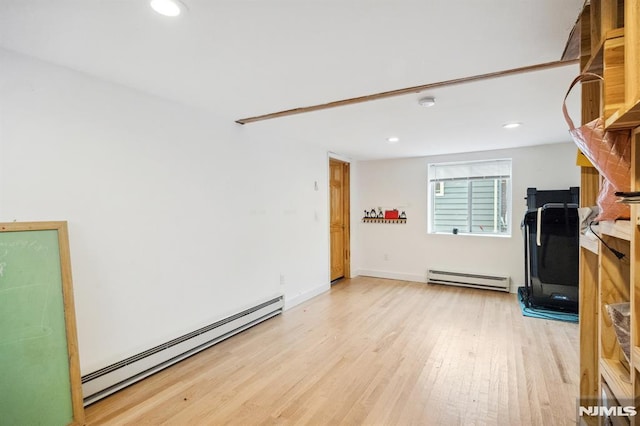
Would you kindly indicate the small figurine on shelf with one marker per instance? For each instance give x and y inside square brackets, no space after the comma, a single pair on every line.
[366,213]
[373,213]
[380,215]
[403,215]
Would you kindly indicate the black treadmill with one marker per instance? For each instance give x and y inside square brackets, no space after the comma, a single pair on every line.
[551,231]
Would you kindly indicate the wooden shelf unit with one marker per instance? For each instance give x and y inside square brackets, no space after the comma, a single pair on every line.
[620,229]
[635,356]
[610,47]
[617,377]
[614,287]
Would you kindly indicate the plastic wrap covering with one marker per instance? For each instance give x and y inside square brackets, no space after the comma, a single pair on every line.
[610,154]
[620,316]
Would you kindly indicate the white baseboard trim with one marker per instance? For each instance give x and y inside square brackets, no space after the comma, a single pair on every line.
[290,302]
[393,275]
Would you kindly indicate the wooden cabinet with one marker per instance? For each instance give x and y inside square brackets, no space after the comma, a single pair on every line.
[610,46]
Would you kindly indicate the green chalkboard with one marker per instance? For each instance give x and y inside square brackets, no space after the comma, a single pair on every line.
[39,370]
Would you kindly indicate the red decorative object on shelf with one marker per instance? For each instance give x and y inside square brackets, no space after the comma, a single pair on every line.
[391,214]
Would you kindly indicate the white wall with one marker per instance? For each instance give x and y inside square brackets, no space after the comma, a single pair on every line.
[176,218]
[409,250]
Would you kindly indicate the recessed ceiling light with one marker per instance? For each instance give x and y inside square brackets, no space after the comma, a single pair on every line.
[393,139]
[167,7]
[428,101]
[511,125]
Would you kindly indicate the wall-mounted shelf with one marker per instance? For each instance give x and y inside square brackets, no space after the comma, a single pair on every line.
[381,220]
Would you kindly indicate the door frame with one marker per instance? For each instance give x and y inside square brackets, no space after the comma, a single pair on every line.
[346,205]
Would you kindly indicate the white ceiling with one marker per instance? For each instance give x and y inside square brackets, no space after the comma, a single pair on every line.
[241,58]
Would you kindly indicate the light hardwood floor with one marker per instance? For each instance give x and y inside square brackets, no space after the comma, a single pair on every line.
[371,351]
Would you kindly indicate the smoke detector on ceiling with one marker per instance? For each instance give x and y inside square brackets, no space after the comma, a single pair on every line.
[427,102]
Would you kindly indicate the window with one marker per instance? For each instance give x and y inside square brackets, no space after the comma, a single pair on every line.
[470,197]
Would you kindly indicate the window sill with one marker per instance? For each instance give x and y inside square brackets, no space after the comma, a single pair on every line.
[464,234]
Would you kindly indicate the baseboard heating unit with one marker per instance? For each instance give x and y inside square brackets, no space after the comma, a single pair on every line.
[112,378]
[490,282]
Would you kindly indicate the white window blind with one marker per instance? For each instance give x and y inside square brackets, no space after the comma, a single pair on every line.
[492,169]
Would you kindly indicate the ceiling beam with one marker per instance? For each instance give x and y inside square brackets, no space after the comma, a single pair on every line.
[408,90]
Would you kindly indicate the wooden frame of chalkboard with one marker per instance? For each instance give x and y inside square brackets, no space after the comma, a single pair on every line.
[40,381]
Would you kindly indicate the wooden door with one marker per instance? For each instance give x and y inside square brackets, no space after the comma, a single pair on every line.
[339,218]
